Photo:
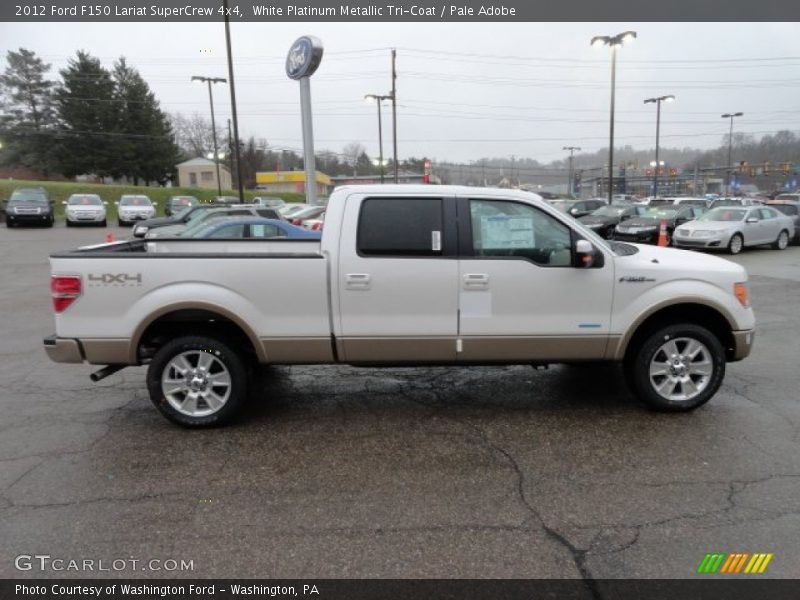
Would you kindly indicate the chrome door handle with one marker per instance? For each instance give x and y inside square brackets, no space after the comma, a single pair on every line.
[476,281]
[357,281]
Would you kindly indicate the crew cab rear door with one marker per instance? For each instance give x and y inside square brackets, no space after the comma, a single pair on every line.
[520,297]
[397,280]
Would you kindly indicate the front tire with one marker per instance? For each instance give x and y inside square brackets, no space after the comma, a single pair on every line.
[197,381]
[736,244]
[121,223]
[782,242]
[676,368]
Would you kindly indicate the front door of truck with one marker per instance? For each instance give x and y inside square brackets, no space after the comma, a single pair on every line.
[520,297]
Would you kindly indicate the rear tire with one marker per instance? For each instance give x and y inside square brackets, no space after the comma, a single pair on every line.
[736,244]
[782,242]
[676,368]
[197,381]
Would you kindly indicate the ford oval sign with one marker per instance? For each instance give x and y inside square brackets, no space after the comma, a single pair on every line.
[304,57]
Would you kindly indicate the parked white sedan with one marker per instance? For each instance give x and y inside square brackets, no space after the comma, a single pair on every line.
[733,228]
[85,208]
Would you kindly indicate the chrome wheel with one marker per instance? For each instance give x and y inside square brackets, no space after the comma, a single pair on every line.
[782,241]
[681,369]
[736,244]
[196,383]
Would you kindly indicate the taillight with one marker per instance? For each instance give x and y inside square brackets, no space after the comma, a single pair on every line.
[65,289]
[315,226]
[296,221]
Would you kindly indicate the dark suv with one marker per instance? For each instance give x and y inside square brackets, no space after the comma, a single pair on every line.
[29,205]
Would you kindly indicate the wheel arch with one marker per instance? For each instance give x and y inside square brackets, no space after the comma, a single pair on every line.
[695,311]
[187,317]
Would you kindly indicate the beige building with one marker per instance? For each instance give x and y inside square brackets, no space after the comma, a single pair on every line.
[201,173]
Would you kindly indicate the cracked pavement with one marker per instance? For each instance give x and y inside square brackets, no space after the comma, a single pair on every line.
[499,472]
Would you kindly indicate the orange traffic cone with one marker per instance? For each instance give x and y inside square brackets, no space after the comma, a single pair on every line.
[109,237]
[662,233]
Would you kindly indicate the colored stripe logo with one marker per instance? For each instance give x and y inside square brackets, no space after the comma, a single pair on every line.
[734,563]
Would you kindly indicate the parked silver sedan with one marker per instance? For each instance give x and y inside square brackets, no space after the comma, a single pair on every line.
[732,228]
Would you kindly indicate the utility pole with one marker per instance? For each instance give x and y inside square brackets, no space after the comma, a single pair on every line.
[230,147]
[209,81]
[233,103]
[570,180]
[394,112]
[730,116]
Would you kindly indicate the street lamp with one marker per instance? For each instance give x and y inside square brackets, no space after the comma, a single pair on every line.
[612,40]
[657,101]
[730,116]
[377,99]
[570,182]
[209,81]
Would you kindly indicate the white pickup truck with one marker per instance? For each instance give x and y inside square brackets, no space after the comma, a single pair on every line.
[403,275]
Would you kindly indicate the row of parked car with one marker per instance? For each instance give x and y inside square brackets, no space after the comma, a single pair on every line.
[700,223]
[184,215]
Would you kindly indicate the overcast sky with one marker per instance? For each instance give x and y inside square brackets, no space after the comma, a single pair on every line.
[465,91]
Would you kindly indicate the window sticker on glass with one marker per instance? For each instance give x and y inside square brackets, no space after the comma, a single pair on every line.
[501,232]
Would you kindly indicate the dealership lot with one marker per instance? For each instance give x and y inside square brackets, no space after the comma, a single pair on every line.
[426,472]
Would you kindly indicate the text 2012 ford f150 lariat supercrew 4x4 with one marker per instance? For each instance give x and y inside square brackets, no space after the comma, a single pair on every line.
[403,275]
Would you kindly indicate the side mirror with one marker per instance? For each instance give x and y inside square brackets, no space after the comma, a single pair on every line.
[64,202]
[105,203]
[751,220]
[116,203]
[155,203]
[586,256]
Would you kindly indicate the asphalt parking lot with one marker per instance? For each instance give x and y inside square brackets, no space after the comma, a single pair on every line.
[434,472]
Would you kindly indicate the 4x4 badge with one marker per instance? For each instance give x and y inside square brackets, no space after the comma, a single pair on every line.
[124,279]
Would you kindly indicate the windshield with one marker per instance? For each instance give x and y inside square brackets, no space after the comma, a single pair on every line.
[787,197]
[182,201]
[724,214]
[134,201]
[90,200]
[29,196]
[660,213]
[609,211]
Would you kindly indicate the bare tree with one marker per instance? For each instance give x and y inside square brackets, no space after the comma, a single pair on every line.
[194,135]
[351,153]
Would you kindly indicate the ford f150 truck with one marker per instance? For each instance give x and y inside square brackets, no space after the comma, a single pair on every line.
[403,275]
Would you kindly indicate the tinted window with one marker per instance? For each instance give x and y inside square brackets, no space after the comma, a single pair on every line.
[28,196]
[229,231]
[267,213]
[787,209]
[266,231]
[501,228]
[404,227]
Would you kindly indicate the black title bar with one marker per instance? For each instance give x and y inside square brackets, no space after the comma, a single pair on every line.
[399,11]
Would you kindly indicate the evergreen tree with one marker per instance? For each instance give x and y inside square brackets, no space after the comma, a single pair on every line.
[28,123]
[90,114]
[146,149]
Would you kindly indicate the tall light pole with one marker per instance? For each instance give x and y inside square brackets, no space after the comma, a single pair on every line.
[393,94]
[658,102]
[209,81]
[570,182]
[377,99]
[730,116]
[612,40]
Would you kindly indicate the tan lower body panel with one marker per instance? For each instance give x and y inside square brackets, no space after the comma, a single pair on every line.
[107,351]
[297,350]
[398,350]
[533,348]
